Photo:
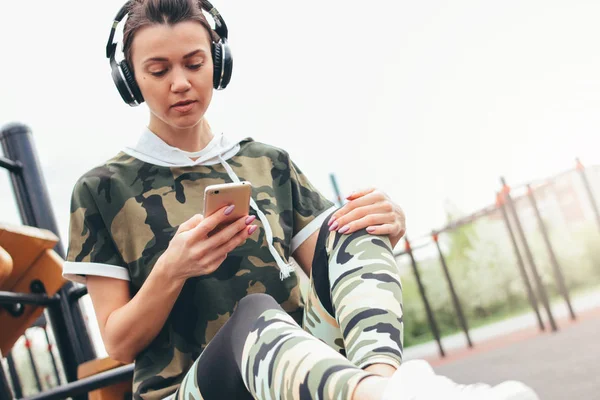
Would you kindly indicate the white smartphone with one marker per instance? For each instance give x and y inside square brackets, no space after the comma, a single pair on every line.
[226,194]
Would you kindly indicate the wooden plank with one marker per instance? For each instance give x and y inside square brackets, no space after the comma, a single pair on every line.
[117,391]
[25,244]
[96,366]
[47,269]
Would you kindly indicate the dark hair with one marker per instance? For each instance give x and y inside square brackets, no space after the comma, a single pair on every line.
[150,12]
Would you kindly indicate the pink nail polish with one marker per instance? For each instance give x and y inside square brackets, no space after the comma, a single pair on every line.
[229,209]
[331,220]
[344,229]
[333,227]
[252,229]
[250,219]
[370,229]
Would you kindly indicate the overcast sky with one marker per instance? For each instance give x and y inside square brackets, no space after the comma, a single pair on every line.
[428,100]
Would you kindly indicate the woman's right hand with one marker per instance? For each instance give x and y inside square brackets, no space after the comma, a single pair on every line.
[192,252]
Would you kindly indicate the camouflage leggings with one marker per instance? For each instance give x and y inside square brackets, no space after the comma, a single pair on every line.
[352,319]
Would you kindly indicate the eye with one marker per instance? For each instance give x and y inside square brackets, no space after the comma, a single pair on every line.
[195,66]
[159,73]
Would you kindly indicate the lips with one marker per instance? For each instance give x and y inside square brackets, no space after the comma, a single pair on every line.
[183,103]
[184,106]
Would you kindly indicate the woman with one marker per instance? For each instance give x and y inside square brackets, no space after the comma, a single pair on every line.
[218,316]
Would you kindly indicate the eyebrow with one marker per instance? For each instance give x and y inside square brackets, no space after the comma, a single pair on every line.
[188,55]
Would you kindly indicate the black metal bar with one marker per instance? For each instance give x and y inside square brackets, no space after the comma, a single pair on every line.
[10,165]
[36,374]
[536,276]
[69,353]
[455,299]
[14,376]
[35,208]
[429,312]
[530,295]
[558,275]
[5,392]
[30,189]
[589,191]
[77,292]
[28,298]
[86,385]
[54,365]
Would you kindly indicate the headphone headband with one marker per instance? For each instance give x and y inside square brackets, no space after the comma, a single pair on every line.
[111,47]
[220,26]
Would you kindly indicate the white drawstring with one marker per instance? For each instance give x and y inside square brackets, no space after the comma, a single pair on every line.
[285,268]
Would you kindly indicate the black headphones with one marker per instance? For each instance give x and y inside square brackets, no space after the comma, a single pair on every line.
[123,76]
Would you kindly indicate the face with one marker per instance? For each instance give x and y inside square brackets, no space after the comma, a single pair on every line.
[174,70]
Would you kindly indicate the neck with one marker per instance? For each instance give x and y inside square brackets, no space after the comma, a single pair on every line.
[190,139]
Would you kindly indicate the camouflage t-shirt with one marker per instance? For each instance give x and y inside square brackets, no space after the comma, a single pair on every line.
[125,212]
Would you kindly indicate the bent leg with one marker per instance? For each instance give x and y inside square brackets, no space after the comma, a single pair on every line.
[262,353]
[354,302]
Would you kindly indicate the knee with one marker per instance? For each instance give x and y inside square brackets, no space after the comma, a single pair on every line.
[255,301]
[252,306]
[361,238]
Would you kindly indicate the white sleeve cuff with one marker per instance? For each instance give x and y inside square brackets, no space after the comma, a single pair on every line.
[309,229]
[73,271]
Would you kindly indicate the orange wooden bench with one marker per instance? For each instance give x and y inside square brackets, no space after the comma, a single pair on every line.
[26,256]
[33,259]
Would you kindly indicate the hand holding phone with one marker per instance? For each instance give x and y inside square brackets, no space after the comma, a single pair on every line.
[203,242]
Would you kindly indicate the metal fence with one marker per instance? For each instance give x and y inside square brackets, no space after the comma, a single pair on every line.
[536,241]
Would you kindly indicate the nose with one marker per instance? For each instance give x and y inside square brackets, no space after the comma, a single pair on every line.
[180,82]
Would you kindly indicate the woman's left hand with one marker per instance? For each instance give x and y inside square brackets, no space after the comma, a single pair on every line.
[371,209]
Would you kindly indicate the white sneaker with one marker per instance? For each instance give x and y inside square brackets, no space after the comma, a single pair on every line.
[416,380]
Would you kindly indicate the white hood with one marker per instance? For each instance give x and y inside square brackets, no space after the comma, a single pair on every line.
[152,149]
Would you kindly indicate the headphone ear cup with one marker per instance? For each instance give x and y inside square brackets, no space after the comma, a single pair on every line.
[227,65]
[131,83]
[217,55]
[120,83]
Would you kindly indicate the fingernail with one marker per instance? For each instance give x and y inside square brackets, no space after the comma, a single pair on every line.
[344,229]
[331,220]
[252,229]
[229,209]
[250,219]
[370,229]
[334,226]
